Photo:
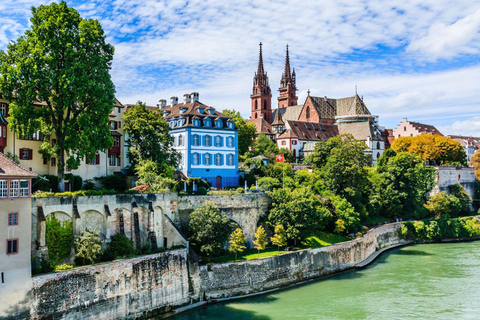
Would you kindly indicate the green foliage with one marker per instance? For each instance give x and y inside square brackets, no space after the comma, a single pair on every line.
[88,246]
[89,185]
[443,203]
[67,61]
[246,131]
[342,210]
[209,229]
[59,239]
[155,182]
[400,185]
[237,242]
[118,247]
[198,183]
[279,239]
[441,228]
[459,192]
[201,191]
[12,156]
[63,267]
[80,193]
[240,190]
[278,169]
[268,184]
[149,139]
[117,182]
[264,145]
[260,241]
[76,182]
[299,211]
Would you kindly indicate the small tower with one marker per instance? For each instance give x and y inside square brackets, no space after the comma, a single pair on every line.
[288,90]
[262,95]
[278,125]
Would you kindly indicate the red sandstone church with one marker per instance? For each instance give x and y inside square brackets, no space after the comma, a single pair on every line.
[293,126]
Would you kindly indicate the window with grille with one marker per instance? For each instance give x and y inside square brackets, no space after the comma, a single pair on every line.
[218,141]
[13,218]
[207,159]
[195,139]
[230,142]
[207,141]
[195,159]
[230,159]
[218,160]
[3,188]
[12,246]
[24,188]
[14,186]
[112,160]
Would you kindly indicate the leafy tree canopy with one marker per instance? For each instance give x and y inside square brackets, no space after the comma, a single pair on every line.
[264,145]
[150,144]
[475,162]
[246,131]
[432,148]
[64,61]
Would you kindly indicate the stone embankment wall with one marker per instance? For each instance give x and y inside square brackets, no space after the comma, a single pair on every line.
[120,289]
[230,279]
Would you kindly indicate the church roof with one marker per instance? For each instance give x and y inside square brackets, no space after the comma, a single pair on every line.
[329,108]
[278,119]
[309,131]
[262,125]
[359,130]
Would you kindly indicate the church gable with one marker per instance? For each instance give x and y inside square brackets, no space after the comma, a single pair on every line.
[309,111]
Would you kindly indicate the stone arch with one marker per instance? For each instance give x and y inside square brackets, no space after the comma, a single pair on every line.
[61,216]
[121,222]
[92,220]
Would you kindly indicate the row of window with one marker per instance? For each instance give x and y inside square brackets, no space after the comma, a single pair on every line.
[18,188]
[198,122]
[206,141]
[207,159]
[12,246]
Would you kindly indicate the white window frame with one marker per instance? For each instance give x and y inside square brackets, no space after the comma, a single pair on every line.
[218,159]
[218,141]
[14,188]
[24,188]
[209,144]
[3,189]
[230,159]
[195,139]
[230,142]
[207,159]
[195,159]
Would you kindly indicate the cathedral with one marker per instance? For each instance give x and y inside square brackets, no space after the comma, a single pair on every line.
[297,127]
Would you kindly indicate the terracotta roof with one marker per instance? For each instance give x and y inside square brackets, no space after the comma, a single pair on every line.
[425,128]
[359,130]
[464,140]
[8,168]
[309,131]
[191,109]
[262,125]
[278,119]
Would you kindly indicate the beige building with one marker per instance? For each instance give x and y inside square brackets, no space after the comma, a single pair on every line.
[26,148]
[15,236]
[411,129]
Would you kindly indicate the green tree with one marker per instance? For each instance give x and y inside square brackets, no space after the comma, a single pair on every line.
[264,145]
[260,241]
[237,242]
[475,162]
[268,184]
[209,229]
[343,211]
[443,203]
[279,239]
[59,239]
[119,246]
[149,140]
[299,211]
[459,192]
[246,131]
[64,61]
[88,245]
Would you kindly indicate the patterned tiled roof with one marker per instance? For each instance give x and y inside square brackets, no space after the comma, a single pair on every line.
[8,168]
[329,108]
[309,131]
[359,130]
[425,128]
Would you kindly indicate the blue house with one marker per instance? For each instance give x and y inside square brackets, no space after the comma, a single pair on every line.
[206,139]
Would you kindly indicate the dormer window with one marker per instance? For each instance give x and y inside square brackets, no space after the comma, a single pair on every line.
[182,110]
[196,122]
[201,110]
[207,122]
[231,125]
[165,113]
[219,123]
[211,110]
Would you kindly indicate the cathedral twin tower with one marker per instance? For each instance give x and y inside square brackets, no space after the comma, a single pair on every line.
[262,95]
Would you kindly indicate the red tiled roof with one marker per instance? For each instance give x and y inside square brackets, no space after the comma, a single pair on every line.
[309,131]
[262,125]
[425,128]
[8,168]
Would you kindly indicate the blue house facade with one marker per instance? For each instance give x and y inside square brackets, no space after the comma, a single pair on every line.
[206,139]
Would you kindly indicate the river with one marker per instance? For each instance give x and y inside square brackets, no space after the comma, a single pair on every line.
[432,281]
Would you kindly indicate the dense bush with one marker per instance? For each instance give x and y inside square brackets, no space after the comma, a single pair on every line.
[201,191]
[268,184]
[59,239]
[443,203]
[76,182]
[118,247]
[117,182]
[441,228]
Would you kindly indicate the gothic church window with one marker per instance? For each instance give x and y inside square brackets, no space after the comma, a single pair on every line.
[308,112]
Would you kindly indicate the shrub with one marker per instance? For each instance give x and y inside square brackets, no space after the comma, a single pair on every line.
[443,203]
[120,246]
[268,183]
[75,181]
[117,182]
[59,239]
[240,190]
[202,191]
[89,185]
[88,246]
[63,267]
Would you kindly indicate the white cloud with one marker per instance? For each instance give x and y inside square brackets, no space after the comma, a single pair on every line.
[444,41]
[468,127]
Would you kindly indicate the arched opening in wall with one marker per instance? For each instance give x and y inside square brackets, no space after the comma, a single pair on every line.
[256,116]
[59,248]
[378,145]
[256,105]
[294,153]
[265,104]
[378,155]
[308,113]
[92,220]
[123,222]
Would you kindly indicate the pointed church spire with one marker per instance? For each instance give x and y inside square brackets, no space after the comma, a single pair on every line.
[260,70]
[287,73]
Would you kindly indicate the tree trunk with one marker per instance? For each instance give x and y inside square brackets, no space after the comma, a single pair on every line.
[61,163]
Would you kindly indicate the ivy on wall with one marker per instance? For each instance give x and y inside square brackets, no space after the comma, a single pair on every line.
[59,239]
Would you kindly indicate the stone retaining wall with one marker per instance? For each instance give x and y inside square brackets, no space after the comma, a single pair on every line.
[120,289]
[230,279]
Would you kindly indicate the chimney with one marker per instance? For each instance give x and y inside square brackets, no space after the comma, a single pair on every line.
[163,103]
[173,101]
[194,96]
[404,119]
[186,98]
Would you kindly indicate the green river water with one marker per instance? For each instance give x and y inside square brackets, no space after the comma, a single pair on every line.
[433,281]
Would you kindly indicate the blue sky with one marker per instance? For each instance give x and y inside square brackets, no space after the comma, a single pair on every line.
[415,59]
